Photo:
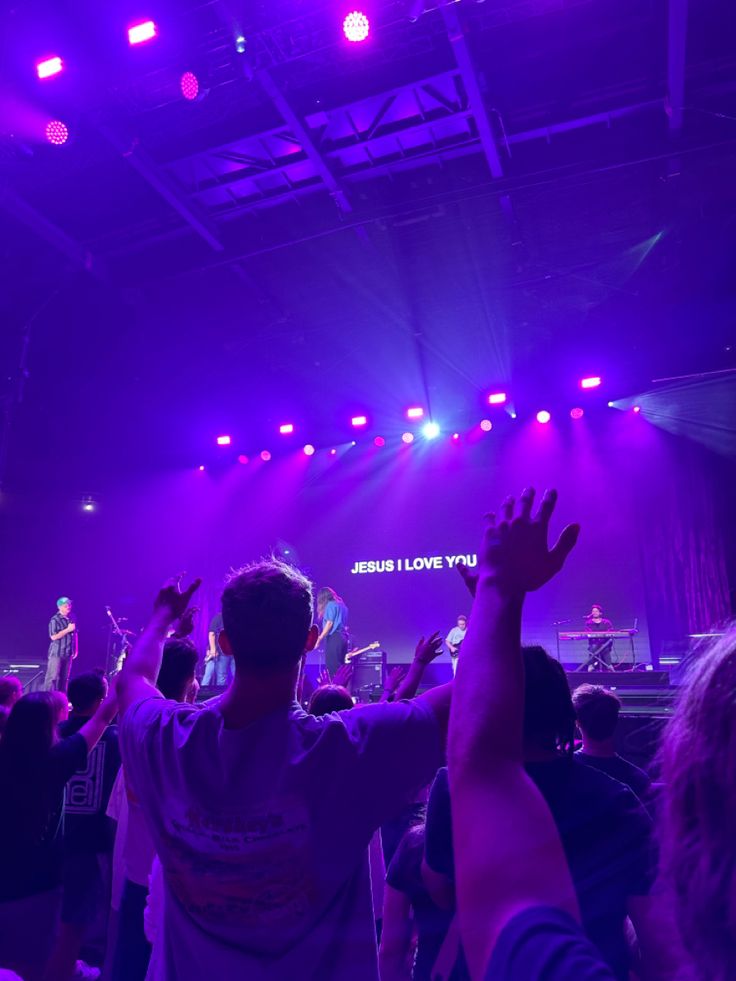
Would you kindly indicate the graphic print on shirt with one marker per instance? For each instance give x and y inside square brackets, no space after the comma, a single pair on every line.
[84,791]
[246,868]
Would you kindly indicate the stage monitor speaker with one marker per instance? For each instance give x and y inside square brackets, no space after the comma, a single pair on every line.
[368,675]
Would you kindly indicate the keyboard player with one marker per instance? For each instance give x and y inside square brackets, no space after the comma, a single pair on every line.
[600,650]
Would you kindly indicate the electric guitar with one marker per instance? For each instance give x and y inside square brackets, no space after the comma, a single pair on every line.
[351,655]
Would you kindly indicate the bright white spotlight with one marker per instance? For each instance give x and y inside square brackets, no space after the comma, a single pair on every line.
[431,430]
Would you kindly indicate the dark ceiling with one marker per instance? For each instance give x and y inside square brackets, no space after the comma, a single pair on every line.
[500,193]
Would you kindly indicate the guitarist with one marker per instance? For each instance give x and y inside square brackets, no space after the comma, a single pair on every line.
[333,617]
[218,666]
[455,639]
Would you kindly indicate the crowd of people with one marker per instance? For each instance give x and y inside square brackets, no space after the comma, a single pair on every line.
[485,828]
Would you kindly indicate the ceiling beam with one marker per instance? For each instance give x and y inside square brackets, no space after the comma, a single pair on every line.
[676,59]
[469,76]
[304,137]
[166,187]
[23,212]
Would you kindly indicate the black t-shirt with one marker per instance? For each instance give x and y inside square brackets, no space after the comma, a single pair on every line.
[620,769]
[215,628]
[32,864]
[545,944]
[432,923]
[87,828]
[605,831]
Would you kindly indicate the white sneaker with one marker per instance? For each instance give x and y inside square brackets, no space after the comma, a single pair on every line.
[86,972]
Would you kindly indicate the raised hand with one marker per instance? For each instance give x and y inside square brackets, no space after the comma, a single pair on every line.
[427,651]
[323,678]
[171,603]
[469,578]
[185,625]
[395,677]
[344,674]
[515,554]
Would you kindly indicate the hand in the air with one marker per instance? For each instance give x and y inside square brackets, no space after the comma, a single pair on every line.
[514,553]
[185,625]
[395,677]
[323,678]
[427,651]
[344,674]
[171,603]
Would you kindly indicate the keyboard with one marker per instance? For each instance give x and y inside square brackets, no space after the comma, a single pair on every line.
[597,635]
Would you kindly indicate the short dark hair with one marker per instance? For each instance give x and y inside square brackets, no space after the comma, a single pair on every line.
[330,698]
[178,667]
[267,612]
[549,716]
[597,710]
[10,686]
[86,689]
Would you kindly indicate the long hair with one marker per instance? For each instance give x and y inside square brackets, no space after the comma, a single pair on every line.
[326,595]
[698,758]
[549,716]
[30,732]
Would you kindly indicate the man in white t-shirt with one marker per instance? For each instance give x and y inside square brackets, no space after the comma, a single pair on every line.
[261,814]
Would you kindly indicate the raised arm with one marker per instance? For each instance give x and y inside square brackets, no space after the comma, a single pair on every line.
[508,855]
[93,729]
[425,653]
[143,663]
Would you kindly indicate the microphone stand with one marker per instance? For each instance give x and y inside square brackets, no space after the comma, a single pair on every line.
[115,661]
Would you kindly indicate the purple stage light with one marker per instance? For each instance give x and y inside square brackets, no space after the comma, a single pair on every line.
[224,440]
[379,441]
[189,85]
[543,416]
[49,67]
[415,412]
[242,458]
[57,132]
[358,421]
[265,456]
[408,438]
[356,26]
[486,425]
[145,31]
[286,428]
[456,437]
[576,413]
[637,408]
[593,382]
[497,398]
[333,452]
[309,450]
[201,467]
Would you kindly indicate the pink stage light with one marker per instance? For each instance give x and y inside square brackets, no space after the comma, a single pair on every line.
[358,421]
[242,458]
[224,440]
[189,85]
[379,441]
[201,467]
[286,428]
[497,398]
[486,425]
[333,452]
[590,382]
[415,412]
[456,437]
[57,132]
[145,31]
[356,26]
[49,67]
[576,413]
[637,408]
[309,450]
[265,456]
[543,416]
[408,438]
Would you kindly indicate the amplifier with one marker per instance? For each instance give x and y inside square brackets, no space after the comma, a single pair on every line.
[30,674]
[368,675]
